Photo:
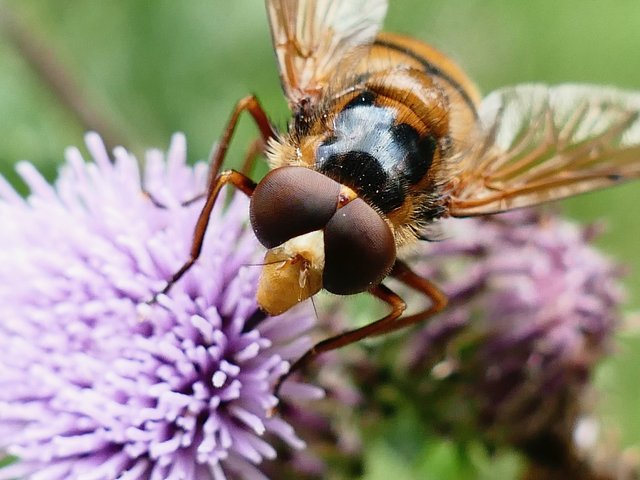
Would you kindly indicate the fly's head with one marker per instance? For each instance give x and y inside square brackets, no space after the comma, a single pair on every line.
[319,234]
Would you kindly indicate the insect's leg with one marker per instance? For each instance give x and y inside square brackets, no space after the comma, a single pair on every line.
[438,300]
[387,324]
[256,148]
[238,180]
[251,105]
[383,293]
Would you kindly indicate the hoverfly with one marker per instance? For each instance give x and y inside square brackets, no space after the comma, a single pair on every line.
[387,136]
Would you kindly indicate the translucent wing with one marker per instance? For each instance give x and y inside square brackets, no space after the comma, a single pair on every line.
[311,37]
[544,143]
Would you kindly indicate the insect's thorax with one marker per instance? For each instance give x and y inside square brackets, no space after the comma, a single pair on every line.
[380,149]
[386,131]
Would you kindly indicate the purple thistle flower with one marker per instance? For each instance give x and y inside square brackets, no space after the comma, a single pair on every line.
[533,308]
[94,383]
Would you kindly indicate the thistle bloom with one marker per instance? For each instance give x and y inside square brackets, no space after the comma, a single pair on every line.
[94,383]
[533,308]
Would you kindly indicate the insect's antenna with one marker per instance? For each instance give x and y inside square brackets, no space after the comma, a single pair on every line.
[315,310]
[264,264]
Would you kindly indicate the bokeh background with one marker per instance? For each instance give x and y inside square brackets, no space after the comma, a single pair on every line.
[150,68]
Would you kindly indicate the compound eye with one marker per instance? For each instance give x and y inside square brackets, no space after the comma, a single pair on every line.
[359,249]
[291,201]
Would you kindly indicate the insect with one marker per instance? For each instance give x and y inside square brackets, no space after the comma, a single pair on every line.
[388,136]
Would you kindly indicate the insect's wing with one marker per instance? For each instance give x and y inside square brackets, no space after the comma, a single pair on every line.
[544,143]
[311,37]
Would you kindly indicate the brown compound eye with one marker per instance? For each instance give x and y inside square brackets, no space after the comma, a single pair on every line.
[359,249]
[291,201]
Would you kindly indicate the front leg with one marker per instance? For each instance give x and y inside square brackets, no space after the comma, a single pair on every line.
[217,180]
[389,323]
[251,105]
[238,180]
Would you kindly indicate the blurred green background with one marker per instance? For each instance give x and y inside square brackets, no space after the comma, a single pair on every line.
[151,68]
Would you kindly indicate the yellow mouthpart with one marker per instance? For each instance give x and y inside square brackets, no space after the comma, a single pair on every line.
[292,273]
